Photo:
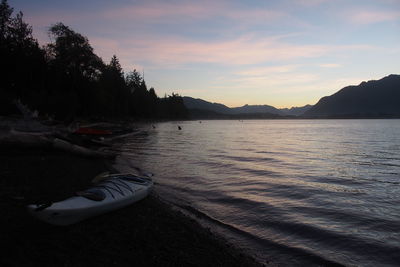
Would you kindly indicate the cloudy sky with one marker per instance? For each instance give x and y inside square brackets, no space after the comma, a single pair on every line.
[282,53]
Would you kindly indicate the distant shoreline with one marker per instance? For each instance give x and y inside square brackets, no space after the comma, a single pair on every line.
[278,117]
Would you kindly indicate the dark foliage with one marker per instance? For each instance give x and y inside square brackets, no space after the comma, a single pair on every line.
[68,80]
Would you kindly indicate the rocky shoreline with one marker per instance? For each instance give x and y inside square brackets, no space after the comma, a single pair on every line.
[147,233]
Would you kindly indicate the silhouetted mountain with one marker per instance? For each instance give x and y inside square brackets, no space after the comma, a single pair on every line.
[295,111]
[201,108]
[209,114]
[200,104]
[254,109]
[379,98]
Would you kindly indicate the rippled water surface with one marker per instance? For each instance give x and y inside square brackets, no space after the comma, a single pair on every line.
[291,191]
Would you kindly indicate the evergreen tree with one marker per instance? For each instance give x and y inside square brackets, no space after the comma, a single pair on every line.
[74,70]
[113,86]
[67,79]
[22,60]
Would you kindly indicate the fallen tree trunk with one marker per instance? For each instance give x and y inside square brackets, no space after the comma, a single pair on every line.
[80,150]
[27,140]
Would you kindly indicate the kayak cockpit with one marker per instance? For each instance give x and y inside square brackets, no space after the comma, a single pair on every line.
[92,194]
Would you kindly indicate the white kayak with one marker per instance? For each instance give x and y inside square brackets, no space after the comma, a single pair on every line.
[114,191]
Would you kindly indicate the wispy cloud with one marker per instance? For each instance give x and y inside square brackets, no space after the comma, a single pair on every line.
[273,80]
[369,16]
[184,18]
[156,11]
[273,76]
[153,46]
[243,50]
[159,10]
[264,71]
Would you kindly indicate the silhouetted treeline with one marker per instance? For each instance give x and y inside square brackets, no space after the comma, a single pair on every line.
[67,79]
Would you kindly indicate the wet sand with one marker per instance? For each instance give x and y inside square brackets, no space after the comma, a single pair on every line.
[147,233]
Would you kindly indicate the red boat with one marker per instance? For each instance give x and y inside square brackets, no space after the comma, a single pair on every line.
[92,131]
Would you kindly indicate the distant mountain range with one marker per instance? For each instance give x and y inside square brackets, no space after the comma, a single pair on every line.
[201,108]
[379,98]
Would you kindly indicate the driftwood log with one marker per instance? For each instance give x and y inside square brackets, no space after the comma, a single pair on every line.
[34,140]
[80,150]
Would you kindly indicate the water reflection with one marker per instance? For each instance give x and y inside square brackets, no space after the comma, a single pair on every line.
[324,189]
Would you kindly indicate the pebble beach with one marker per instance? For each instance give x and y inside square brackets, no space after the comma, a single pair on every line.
[147,233]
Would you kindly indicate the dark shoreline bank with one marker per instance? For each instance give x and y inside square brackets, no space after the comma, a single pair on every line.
[148,233]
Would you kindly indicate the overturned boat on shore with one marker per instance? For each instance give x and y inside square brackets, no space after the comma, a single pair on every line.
[111,192]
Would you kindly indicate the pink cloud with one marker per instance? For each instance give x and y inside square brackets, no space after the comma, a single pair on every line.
[152,13]
[160,10]
[240,51]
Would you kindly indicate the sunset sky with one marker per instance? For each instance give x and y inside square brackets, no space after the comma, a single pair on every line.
[281,53]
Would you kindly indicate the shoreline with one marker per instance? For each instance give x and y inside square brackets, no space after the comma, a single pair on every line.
[147,233]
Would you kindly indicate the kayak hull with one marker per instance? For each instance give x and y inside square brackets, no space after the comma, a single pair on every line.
[118,191]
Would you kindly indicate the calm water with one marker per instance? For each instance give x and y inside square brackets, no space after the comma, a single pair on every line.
[292,191]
